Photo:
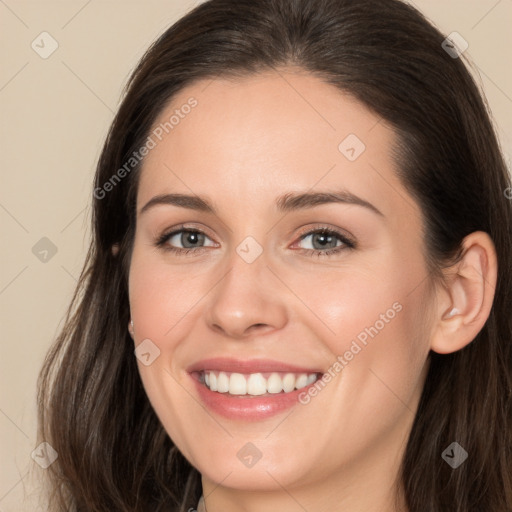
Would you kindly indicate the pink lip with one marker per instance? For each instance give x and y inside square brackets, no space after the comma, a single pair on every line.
[227,364]
[247,407]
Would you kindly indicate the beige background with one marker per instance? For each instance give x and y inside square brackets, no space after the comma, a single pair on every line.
[55,113]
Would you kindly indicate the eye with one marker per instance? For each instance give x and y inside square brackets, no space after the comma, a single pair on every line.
[189,239]
[326,241]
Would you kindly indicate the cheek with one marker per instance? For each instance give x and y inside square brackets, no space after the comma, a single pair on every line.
[378,331]
[384,354]
[378,364]
[162,296]
[349,304]
[161,302]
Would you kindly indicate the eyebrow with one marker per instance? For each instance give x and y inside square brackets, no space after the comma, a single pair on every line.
[291,201]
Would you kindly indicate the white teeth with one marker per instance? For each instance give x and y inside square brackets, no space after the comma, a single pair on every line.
[274,383]
[222,383]
[256,383]
[288,382]
[301,381]
[213,381]
[237,384]
[311,379]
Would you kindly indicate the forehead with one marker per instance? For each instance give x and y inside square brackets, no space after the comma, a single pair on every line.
[249,138]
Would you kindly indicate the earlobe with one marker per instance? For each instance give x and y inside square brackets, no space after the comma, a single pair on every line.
[468,294]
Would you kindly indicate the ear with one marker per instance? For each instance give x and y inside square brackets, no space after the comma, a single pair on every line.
[464,303]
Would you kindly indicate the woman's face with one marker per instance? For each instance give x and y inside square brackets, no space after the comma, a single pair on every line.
[249,283]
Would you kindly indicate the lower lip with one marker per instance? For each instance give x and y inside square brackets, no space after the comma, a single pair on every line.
[248,407]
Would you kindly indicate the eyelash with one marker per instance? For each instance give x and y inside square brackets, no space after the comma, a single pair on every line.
[348,244]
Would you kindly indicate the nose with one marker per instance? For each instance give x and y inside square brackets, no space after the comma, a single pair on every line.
[248,299]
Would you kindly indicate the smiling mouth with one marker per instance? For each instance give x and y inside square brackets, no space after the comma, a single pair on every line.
[255,384]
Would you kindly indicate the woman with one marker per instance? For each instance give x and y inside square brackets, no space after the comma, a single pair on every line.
[340,339]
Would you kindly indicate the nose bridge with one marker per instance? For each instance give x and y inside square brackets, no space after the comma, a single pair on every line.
[248,294]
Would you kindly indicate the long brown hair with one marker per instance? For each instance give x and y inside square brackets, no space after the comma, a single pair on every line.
[114,454]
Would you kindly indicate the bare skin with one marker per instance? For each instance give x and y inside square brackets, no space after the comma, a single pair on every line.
[246,143]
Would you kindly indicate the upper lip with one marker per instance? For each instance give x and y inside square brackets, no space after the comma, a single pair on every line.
[248,366]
